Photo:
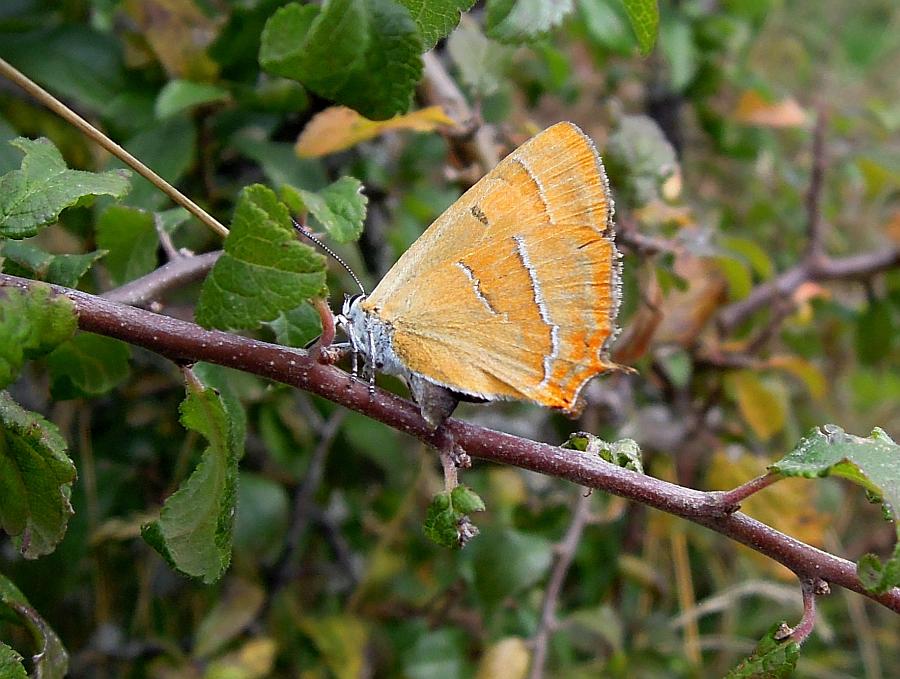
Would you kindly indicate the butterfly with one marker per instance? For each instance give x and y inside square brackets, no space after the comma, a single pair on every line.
[512,293]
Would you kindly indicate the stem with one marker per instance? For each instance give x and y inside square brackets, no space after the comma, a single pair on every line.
[67,114]
[184,341]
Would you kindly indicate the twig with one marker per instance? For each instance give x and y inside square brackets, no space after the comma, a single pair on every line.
[811,588]
[184,341]
[302,501]
[734,497]
[565,552]
[853,267]
[91,132]
[175,274]
[815,250]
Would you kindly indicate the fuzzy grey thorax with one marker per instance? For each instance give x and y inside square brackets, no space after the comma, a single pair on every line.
[372,337]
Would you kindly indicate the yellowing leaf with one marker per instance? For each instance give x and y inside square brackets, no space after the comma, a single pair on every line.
[341,640]
[761,405]
[788,505]
[752,109]
[507,659]
[338,128]
[804,370]
[253,660]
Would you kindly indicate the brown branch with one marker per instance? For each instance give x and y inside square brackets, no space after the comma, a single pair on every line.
[184,341]
[565,553]
[180,271]
[853,267]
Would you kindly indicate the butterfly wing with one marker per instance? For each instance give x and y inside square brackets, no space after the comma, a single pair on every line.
[512,292]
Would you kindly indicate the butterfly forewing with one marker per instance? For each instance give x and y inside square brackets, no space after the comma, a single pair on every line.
[512,292]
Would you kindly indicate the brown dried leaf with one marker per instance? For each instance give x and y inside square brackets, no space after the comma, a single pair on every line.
[687,312]
[338,128]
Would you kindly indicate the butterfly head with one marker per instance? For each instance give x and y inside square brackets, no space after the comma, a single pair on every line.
[370,336]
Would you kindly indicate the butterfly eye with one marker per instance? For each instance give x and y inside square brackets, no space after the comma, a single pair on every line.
[350,301]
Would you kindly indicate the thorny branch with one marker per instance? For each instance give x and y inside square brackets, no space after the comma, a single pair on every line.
[184,341]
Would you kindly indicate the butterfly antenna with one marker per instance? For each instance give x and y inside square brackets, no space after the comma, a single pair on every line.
[303,231]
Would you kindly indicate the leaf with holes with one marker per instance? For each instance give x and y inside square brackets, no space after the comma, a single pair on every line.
[43,187]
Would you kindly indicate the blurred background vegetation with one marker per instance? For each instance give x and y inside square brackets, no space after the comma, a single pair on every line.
[709,144]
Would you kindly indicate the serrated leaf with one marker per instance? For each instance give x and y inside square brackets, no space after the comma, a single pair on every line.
[436,18]
[338,128]
[264,270]
[622,453]
[11,663]
[517,21]
[194,529]
[65,270]
[88,365]
[644,18]
[130,239]
[32,323]
[761,405]
[52,660]
[364,54]
[36,477]
[43,187]
[297,327]
[771,659]
[181,95]
[872,462]
[339,207]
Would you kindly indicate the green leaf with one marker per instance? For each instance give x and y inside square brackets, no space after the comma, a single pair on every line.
[263,511]
[180,95]
[441,653]
[517,21]
[130,238]
[264,270]
[168,148]
[52,660]
[341,639]
[873,462]
[88,365]
[506,561]
[682,55]
[32,323]
[753,252]
[281,164]
[639,159]
[644,18]
[879,577]
[339,207]
[11,663]
[447,512]
[435,19]
[622,453]
[36,194]
[772,659]
[297,327]
[360,53]
[36,477]
[482,63]
[65,270]
[876,332]
[194,529]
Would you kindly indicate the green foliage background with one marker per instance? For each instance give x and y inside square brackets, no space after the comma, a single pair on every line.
[331,573]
